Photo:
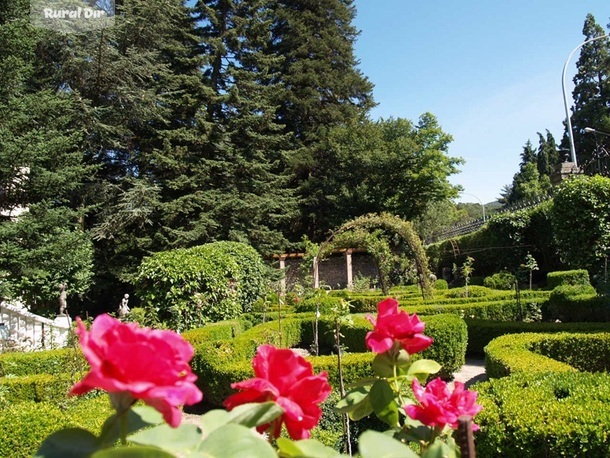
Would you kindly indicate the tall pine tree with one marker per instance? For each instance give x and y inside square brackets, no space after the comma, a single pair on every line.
[591,92]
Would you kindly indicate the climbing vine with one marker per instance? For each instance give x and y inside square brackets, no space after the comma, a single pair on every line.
[367,231]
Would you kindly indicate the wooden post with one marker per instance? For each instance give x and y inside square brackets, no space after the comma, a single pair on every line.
[348,267]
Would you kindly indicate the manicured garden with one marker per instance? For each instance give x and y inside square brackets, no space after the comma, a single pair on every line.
[546,377]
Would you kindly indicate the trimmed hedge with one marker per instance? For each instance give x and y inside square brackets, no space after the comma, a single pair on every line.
[560,352]
[24,425]
[501,280]
[567,277]
[538,415]
[218,364]
[37,388]
[481,332]
[223,330]
[48,362]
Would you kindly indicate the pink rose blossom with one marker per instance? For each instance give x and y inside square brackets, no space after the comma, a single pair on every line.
[138,363]
[440,407]
[283,376]
[392,325]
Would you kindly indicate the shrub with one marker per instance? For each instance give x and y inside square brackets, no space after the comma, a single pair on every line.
[481,332]
[190,287]
[24,425]
[477,280]
[501,280]
[577,303]
[220,363]
[544,415]
[561,352]
[48,362]
[441,284]
[567,277]
[471,291]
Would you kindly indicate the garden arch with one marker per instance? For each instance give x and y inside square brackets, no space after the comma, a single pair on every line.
[367,223]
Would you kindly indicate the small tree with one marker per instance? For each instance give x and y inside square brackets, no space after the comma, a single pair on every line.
[531,265]
[465,271]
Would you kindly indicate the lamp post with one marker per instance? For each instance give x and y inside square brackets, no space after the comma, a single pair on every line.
[468,194]
[591,130]
[565,97]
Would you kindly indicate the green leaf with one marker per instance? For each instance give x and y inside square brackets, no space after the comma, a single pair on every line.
[364,409]
[307,448]
[68,443]
[137,418]
[236,441]
[383,365]
[422,368]
[439,449]
[138,451]
[352,399]
[373,444]
[383,401]
[255,414]
[185,437]
[213,420]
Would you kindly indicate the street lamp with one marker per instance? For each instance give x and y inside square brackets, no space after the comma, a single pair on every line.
[591,130]
[468,194]
[565,97]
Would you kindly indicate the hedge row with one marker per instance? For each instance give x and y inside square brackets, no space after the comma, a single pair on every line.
[481,332]
[24,425]
[561,352]
[48,362]
[579,277]
[550,414]
[220,363]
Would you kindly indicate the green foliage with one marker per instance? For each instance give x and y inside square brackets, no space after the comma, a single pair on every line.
[567,277]
[481,332]
[40,362]
[220,363]
[441,284]
[581,221]
[501,280]
[548,414]
[190,287]
[24,425]
[577,303]
[513,353]
[501,243]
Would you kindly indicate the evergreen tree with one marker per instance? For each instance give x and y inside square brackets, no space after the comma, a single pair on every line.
[42,172]
[548,156]
[322,88]
[591,92]
[248,183]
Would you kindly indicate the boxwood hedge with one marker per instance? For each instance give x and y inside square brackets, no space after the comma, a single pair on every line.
[544,414]
[220,363]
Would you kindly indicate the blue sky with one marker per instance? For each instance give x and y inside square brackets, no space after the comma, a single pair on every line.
[489,70]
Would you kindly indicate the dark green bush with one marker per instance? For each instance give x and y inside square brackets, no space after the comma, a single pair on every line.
[548,414]
[567,277]
[223,330]
[190,287]
[477,280]
[501,280]
[577,303]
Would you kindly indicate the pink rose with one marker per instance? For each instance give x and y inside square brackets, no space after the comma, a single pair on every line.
[283,376]
[138,363]
[392,325]
[440,407]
